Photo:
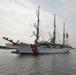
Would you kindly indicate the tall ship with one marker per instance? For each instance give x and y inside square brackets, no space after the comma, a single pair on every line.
[44,46]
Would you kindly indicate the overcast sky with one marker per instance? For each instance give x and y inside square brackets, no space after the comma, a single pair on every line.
[17,18]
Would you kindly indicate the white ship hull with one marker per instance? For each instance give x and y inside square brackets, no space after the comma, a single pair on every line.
[24,48]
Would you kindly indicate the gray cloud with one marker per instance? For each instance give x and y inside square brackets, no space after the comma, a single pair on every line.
[18,16]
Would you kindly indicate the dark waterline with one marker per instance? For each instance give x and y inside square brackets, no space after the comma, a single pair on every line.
[42,64]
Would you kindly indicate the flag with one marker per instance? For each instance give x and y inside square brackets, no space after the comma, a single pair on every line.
[67,35]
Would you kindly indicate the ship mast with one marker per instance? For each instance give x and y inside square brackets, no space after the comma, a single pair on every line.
[54,33]
[63,33]
[37,25]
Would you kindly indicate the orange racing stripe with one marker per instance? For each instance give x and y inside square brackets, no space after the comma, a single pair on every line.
[34,49]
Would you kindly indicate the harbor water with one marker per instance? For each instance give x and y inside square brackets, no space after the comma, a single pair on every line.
[41,64]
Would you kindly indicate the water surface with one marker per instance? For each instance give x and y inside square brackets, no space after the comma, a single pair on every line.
[42,64]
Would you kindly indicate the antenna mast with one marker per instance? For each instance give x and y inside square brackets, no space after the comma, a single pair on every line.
[54,33]
[63,33]
[37,25]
